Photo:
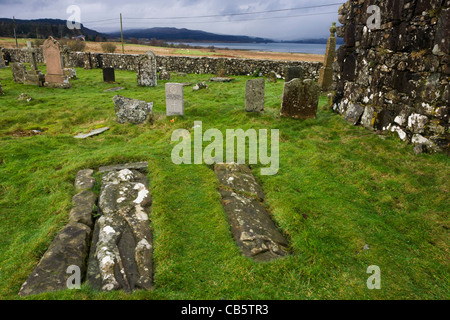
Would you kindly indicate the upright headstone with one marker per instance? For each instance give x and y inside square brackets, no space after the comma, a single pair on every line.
[326,72]
[254,95]
[33,76]
[272,77]
[300,99]
[293,72]
[55,77]
[109,75]
[87,61]
[66,56]
[146,70]
[174,99]
[2,63]
[18,72]
[6,56]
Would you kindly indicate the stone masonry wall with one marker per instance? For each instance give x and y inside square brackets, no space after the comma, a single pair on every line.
[193,65]
[396,78]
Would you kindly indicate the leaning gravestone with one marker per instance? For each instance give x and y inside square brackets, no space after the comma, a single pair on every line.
[109,75]
[131,110]
[146,70]
[300,99]
[292,73]
[18,72]
[55,77]
[254,95]
[174,99]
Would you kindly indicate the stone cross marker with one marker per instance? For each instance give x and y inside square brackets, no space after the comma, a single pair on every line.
[33,76]
[326,72]
[31,55]
[55,69]
[254,95]
[300,99]
[174,99]
[146,70]
[293,73]
[109,75]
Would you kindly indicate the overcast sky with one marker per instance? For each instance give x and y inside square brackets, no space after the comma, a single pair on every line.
[294,24]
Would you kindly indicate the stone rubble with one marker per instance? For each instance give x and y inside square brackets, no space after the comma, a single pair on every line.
[132,110]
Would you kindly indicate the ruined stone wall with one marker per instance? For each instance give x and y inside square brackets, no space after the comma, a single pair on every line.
[396,78]
[193,65]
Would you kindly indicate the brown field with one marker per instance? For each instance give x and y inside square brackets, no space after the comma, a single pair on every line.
[139,49]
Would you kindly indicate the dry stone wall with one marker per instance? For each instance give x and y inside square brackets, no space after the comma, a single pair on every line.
[194,65]
[396,78]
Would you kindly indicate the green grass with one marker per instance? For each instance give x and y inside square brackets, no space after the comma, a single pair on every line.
[339,188]
[194,52]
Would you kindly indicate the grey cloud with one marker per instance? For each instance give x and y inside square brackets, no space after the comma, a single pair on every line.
[92,12]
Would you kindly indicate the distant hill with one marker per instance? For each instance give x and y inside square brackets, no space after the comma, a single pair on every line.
[58,28]
[316,41]
[186,35]
[43,28]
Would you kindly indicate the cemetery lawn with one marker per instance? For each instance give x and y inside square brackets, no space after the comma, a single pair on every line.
[340,190]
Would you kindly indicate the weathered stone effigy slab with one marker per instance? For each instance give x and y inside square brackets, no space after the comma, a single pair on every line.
[122,245]
[252,228]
